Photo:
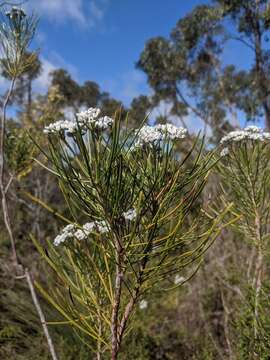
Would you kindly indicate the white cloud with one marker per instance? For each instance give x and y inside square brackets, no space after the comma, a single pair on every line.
[60,62]
[84,12]
[43,81]
[96,11]
[57,9]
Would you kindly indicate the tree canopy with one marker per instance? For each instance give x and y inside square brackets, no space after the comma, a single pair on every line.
[187,68]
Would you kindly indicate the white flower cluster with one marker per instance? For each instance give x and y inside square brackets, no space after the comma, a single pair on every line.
[178,279]
[143,304]
[224,152]
[71,231]
[104,122]
[84,119]
[88,116]
[249,133]
[91,117]
[130,214]
[66,233]
[154,134]
[87,228]
[61,125]
[101,226]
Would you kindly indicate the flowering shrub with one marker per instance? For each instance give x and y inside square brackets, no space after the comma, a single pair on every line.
[130,194]
[245,171]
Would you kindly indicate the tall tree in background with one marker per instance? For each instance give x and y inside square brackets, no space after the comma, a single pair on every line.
[187,70]
[87,95]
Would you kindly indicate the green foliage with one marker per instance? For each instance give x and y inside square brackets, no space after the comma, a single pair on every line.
[20,151]
[245,175]
[224,311]
[17,31]
[21,335]
[102,176]
[244,325]
[87,95]
[187,70]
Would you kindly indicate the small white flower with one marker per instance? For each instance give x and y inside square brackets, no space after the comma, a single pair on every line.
[84,118]
[251,132]
[88,116]
[149,135]
[172,131]
[224,152]
[80,234]
[253,129]
[130,214]
[72,231]
[104,122]
[68,228]
[60,126]
[89,226]
[60,239]
[256,136]
[233,136]
[66,232]
[178,279]
[143,304]
[91,117]
[102,227]
[266,135]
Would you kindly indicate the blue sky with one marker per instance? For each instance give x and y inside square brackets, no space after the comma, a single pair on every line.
[101,40]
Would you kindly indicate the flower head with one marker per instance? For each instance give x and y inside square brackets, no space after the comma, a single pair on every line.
[178,279]
[66,232]
[103,122]
[60,126]
[251,132]
[73,231]
[224,152]
[102,227]
[143,304]
[130,214]
[149,135]
[85,118]
[88,116]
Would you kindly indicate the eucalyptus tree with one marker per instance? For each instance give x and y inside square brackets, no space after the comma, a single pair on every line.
[187,69]
[89,94]
[130,195]
[139,109]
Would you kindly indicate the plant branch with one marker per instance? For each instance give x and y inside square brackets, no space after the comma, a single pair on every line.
[4,189]
[257,281]
[40,313]
[2,173]
[116,304]
[192,108]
